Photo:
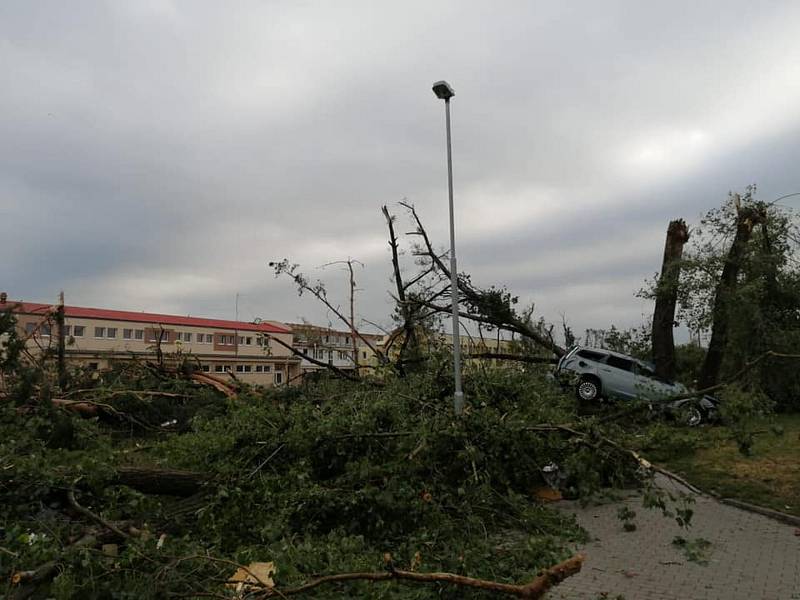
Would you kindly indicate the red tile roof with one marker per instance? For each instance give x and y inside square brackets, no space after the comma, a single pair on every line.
[143,317]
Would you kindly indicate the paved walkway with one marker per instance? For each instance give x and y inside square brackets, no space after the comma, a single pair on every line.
[751,556]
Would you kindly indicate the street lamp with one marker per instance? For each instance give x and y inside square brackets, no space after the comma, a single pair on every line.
[444,92]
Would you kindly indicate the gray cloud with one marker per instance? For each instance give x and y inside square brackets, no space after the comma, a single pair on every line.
[158,154]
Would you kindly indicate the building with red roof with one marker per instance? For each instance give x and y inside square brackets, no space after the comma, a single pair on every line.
[97,337]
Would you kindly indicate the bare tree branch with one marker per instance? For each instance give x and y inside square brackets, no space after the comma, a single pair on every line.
[530,591]
[476,298]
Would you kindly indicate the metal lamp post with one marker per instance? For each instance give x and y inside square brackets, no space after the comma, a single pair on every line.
[444,92]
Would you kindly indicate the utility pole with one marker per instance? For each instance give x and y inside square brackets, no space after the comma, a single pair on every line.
[353,314]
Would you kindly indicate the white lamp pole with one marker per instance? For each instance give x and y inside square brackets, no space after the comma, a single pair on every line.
[444,92]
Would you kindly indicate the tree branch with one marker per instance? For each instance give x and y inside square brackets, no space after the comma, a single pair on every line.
[515,357]
[530,591]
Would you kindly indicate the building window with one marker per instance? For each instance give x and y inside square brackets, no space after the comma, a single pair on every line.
[139,334]
[45,330]
[248,368]
[206,368]
[99,332]
[78,330]
[127,334]
[278,378]
[178,336]
[248,341]
[209,338]
[29,328]
[67,330]
[241,340]
[240,368]
[305,351]
[267,368]
[326,339]
[259,369]
[93,366]
[217,368]
[187,337]
[111,332]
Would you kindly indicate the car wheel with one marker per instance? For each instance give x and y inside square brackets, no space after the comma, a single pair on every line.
[588,390]
[692,416]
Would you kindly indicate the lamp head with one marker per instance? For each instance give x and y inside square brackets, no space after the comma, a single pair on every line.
[443,90]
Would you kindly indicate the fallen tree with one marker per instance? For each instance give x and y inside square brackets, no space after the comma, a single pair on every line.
[322,478]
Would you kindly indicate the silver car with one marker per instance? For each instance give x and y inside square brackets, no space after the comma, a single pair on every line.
[599,374]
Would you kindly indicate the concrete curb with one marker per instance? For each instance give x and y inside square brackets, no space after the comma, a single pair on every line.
[777,515]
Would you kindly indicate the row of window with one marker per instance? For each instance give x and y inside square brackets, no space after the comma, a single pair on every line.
[278,375]
[110,333]
[240,368]
[45,330]
[342,354]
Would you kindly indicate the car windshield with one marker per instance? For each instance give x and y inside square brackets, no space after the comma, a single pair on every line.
[648,371]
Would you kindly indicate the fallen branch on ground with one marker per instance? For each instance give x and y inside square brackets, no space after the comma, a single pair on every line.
[215,382]
[535,589]
[94,517]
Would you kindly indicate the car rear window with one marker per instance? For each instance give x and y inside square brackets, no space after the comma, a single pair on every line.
[619,363]
[591,355]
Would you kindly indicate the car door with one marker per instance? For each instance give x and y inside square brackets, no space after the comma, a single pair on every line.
[618,377]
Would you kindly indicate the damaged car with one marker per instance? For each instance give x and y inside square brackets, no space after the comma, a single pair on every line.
[597,374]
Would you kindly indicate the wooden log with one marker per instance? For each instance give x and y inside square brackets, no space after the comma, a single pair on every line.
[167,482]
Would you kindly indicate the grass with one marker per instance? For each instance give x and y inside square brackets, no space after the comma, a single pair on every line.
[769,477]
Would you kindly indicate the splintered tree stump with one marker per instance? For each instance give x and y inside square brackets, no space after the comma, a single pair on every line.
[666,299]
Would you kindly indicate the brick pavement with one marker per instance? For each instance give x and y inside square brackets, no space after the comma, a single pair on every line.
[751,557]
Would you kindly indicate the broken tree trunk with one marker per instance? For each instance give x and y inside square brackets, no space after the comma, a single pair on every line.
[666,298]
[161,481]
[747,218]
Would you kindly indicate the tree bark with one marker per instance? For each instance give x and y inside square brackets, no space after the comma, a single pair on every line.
[746,219]
[666,298]
[161,481]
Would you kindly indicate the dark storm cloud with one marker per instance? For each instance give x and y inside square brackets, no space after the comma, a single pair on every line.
[156,155]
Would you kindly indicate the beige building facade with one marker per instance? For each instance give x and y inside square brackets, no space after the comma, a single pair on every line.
[332,347]
[95,338]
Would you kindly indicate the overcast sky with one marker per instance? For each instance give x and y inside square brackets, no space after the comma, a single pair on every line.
[156,155]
